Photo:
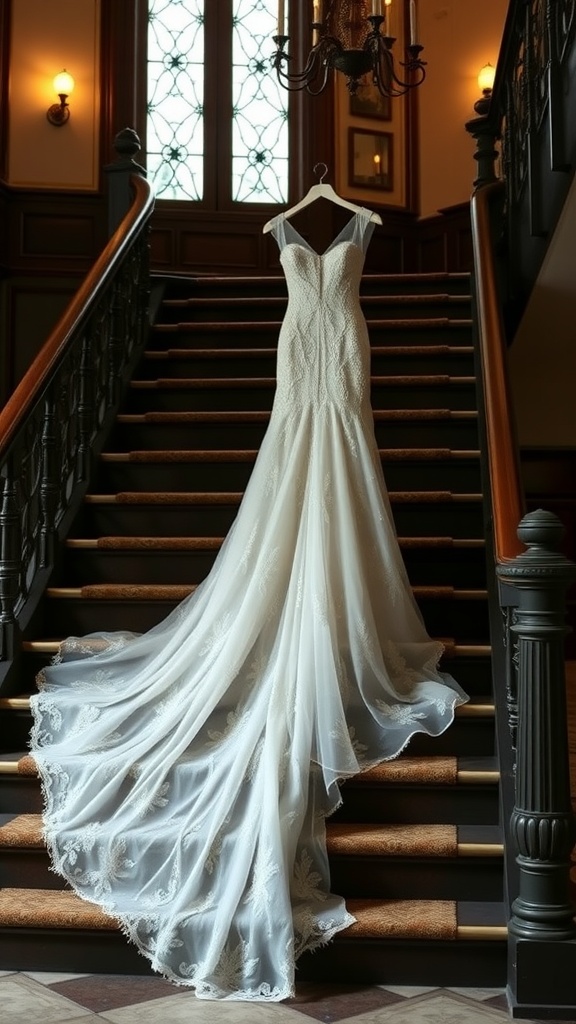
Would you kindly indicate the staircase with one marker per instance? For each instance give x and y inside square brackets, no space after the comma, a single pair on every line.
[416,848]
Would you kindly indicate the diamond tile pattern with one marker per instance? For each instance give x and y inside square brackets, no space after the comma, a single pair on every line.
[48,998]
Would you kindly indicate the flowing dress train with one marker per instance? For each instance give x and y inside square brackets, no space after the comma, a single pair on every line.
[188,772]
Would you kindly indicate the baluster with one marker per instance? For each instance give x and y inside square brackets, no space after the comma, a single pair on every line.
[542,821]
[10,559]
[117,321]
[49,482]
[86,414]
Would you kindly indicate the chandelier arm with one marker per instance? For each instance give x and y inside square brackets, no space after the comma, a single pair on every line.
[320,57]
[386,77]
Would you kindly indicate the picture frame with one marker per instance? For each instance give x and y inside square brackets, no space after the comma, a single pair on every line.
[368,101]
[370,159]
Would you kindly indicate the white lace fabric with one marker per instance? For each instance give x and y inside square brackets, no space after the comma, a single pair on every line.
[188,772]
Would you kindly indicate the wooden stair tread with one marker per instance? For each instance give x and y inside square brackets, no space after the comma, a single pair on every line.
[250,455]
[152,355]
[392,323]
[25,831]
[403,770]
[177,592]
[392,380]
[110,543]
[201,302]
[234,497]
[262,416]
[378,919]
[452,649]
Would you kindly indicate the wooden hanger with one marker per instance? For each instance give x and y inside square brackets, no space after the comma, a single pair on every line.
[319,191]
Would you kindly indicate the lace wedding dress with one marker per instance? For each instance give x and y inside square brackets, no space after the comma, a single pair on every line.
[188,772]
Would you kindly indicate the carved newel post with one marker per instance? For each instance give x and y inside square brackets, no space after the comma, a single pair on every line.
[484,134]
[126,145]
[542,821]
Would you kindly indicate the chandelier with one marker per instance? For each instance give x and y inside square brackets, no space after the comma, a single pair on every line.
[351,36]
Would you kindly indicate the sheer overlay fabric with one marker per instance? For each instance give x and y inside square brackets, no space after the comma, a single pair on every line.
[188,772]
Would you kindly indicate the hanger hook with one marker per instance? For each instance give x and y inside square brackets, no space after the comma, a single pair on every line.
[324,172]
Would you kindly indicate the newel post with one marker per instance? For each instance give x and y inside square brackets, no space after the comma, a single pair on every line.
[542,822]
[126,145]
[484,134]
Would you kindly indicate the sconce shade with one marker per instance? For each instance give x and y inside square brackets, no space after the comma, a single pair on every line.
[59,113]
[486,77]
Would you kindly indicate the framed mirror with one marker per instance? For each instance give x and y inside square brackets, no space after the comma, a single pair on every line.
[370,159]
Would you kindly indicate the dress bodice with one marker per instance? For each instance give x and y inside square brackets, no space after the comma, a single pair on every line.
[323,348]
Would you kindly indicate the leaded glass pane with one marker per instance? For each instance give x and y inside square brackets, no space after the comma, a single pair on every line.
[175,125]
[259,107]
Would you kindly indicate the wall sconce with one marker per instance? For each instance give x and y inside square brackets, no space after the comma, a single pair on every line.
[486,84]
[59,113]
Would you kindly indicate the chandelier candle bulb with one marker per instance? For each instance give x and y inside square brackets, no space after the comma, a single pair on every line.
[317,20]
[413,24]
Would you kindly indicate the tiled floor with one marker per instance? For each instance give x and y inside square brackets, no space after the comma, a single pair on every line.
[43,998]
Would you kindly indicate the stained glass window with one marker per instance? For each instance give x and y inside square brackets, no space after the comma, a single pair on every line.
[259,108]
[175,125]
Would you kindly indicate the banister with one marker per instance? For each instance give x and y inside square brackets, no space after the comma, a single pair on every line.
[18,406]
[507,494]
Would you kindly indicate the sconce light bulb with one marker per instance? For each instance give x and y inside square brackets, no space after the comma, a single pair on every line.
[486,77]
[63,83]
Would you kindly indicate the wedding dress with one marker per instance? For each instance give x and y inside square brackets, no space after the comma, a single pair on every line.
[188,772]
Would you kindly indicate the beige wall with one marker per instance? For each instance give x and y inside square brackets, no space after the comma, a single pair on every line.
[45,39]
[459,37]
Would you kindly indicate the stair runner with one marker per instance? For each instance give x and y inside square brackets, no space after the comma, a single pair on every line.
[416,847]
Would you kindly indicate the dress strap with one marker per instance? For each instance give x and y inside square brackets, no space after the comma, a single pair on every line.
[278,231]
[363,228]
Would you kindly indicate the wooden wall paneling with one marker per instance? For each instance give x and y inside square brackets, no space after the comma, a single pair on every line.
[54,231]
[33,307]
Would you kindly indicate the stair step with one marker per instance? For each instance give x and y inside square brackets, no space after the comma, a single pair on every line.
[250,455]
[460,790]
[158,560]
[367,859]
[234,498]
[418,919]
[140,606]
[247,361]
[25,831]
[259,306]
[178,394]
[214,543]
[205,468]
[211,513]
[382,380]
[375,840]
[403,770]
[144,592]
[452,282]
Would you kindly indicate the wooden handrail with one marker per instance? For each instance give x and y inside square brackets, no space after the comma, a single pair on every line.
[18,406]
[505,485]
